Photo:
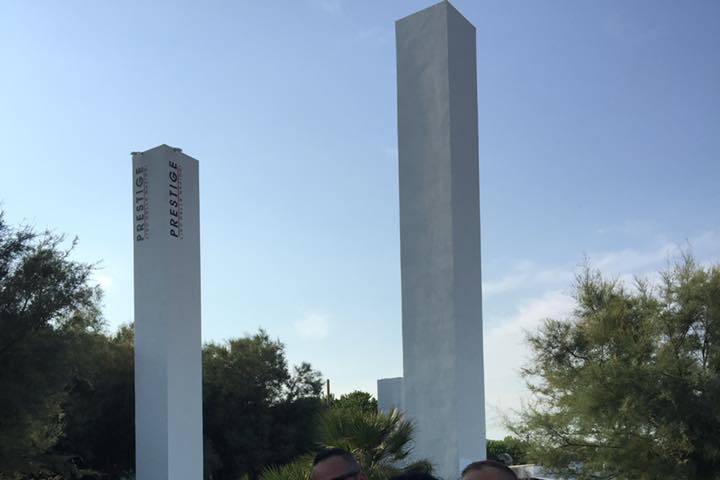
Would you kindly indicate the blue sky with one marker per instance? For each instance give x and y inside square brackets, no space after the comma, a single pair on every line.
[599,136]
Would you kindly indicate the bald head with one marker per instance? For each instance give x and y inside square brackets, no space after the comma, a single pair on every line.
[488,470]
[336,464]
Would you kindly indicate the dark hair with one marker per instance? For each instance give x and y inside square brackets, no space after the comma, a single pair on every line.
[326,453]
[489,464]
[414,476]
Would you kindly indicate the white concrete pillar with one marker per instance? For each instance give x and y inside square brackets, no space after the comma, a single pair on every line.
[440,236]
[168,363]
[389,394]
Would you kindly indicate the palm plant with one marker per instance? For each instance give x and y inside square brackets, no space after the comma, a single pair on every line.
[382,443]
[299,469]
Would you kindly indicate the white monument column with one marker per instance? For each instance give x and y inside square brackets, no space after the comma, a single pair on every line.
[440,237]
[168,363]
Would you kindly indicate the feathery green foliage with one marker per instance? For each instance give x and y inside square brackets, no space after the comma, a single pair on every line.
[629,386]
[512,446]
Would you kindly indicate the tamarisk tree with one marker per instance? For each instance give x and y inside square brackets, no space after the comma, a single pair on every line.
[628,387]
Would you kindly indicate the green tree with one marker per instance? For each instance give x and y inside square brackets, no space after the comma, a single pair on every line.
[101,400]
[629,386]
[512,446]
[356,400]
[66,386]
[47,305]
[256,412]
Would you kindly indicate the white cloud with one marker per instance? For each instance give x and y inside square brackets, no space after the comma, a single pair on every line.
[630,260]
[313,326]
[524,275]
[104,281]
[624,264]
[506,353]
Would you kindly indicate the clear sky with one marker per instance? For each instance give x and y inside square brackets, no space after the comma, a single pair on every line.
[599,136]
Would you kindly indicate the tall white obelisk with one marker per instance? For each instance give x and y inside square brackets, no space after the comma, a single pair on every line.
[443,387]
[168,363]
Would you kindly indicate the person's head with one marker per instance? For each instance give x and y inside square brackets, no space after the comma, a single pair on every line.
[336,464]
[415,476]
[488,470]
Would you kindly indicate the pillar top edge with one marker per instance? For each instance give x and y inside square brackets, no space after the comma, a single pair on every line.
[444,5]
[162,148]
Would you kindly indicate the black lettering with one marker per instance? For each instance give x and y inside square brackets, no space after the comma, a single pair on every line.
[141,202]
[173,177]
[173,233]
[173,222]
[173,203]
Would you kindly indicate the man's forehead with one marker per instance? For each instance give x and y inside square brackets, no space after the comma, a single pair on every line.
[330,468]
[487,473]
[333,464]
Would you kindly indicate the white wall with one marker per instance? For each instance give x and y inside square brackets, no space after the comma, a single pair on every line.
[390,394]
[168,364]
[440,236]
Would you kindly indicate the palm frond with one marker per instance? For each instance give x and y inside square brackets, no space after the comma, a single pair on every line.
[300,469]
[382,443]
